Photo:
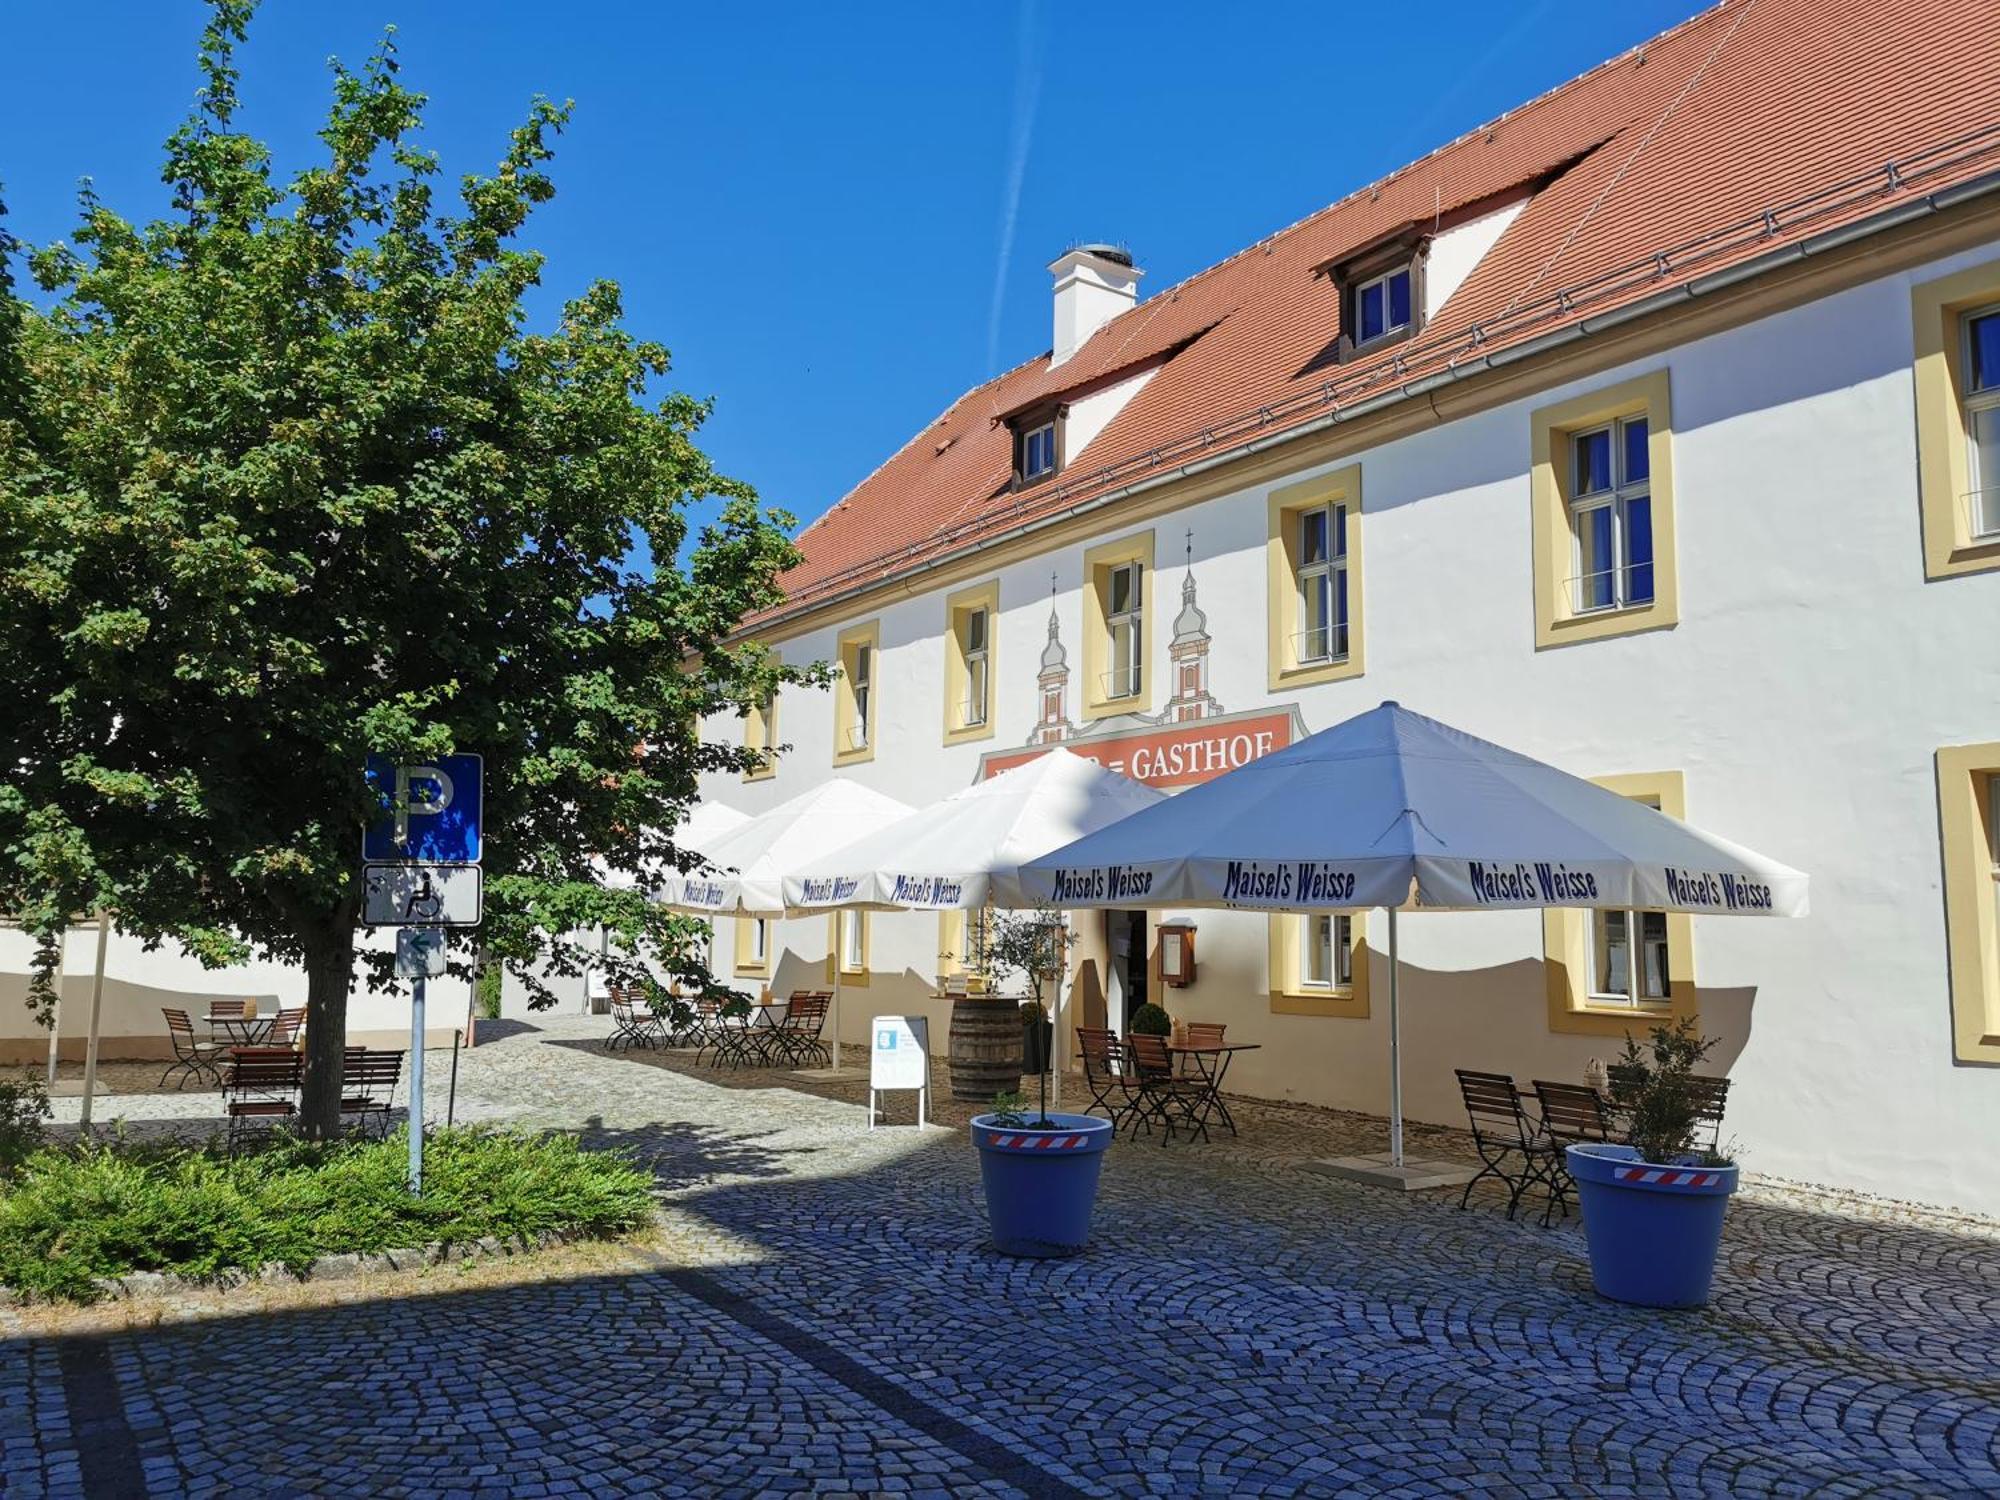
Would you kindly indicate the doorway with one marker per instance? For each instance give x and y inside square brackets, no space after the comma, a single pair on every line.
[1125,971]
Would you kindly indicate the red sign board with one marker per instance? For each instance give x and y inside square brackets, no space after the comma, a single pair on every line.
[1173,754]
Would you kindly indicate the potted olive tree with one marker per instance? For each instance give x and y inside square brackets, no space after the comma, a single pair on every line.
[1653,1207]
[1039,1170]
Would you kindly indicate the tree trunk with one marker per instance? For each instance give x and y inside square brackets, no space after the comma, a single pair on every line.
[329,975]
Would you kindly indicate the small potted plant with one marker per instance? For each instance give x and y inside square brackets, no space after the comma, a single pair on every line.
[1150,1020]
[1653,1208]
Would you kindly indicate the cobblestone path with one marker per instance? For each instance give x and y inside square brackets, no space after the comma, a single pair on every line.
[829,1319]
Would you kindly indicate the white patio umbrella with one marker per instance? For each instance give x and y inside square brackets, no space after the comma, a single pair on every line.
[703,824]
[1395,810]
[749,863]
[965,851]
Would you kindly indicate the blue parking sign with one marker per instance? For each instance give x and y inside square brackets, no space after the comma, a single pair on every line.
[441,817]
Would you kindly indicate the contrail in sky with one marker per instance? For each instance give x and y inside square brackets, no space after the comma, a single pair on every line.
[1027,91]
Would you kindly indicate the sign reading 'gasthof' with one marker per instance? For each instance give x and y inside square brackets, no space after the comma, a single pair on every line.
[1174,754]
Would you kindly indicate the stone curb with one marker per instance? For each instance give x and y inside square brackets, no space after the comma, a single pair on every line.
[325,1268]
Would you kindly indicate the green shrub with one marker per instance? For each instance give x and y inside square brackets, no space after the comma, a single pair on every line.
[105,1210]
[23,1106]
[487,991]
[1150,1020]
[1654,1088]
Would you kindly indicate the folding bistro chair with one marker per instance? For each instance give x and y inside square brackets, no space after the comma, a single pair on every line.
[263,1084]
[368,1087]
[1502,1131]
[796,1039]
[1206,1033]
[633,1023]
[1108,1073]
[285,1026]
[1164,1095]
[193,1057]
[1571,1113]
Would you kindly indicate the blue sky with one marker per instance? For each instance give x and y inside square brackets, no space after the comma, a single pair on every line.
[837,217]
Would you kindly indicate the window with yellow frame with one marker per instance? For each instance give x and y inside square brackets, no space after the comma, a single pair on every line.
[1969,830]
[753,947]
[1117,626]
[1955,324]
[1312,550]
[847,937]
[760,733]
[1601,483]
[1613,971]
[970,619]
[1319,964]
[856,693]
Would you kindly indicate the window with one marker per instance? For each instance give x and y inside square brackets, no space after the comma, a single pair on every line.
[1118,598]
[1955,325]
[847,938]
[753,946]
[1607,970]
[760,733]
[855,695]
[968,668]
[1601,487]
[1313,547]
[1038,452]
[1382,305]
[1982,422]
[1326,955]
[1969,827]
[1319,965]
[1125,618]
[1611,517]
[1615,977]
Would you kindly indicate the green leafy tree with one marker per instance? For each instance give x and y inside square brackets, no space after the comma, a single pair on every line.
[286,478]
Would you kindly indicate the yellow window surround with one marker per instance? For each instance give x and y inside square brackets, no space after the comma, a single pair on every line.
[1291,997]
[1551,485]
[1944,464]
[1566,935]
[1098,564]
[965,720]
[852,973]
[747,960]
[856,693]
[1966,791]
[1283,550]
[760,732]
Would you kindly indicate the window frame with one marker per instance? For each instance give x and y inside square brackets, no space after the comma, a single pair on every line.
[1968,779]
[1940,312]
[1292,991]
[857,706]
[959,609]
[1575,1008]
[1406,270]
[760,729]
[1973,403]
[750,962]
[1617,498]
[851,975]
[1131,661]
[1552,486]
[1099,563]
[1284,548]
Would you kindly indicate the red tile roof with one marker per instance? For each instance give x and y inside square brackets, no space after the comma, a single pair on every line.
[1666,162]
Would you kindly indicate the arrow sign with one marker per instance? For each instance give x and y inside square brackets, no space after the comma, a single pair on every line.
[430,810]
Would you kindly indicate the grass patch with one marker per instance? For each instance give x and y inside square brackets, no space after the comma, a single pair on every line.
[69,1217]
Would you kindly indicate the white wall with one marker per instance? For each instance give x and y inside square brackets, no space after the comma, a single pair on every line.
[1812,677]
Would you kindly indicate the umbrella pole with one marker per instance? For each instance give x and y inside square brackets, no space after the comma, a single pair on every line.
[1395,1052]
[833,1006]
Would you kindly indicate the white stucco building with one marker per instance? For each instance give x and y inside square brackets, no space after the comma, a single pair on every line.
[1653,430]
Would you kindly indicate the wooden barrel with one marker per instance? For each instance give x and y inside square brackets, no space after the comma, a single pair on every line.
[985,1047]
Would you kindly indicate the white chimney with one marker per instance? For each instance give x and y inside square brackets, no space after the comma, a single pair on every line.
[1094,284]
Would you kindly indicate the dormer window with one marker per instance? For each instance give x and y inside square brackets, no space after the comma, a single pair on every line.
[1035,452]
[1382,306]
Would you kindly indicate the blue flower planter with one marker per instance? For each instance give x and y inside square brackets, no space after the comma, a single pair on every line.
[1653,1231]
[1040,1184]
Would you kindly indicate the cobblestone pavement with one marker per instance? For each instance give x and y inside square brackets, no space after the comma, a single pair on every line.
[826,1317]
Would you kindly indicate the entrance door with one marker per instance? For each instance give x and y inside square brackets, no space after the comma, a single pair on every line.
[1125,972]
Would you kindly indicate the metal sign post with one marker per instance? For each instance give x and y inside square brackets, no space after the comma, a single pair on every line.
[423,877]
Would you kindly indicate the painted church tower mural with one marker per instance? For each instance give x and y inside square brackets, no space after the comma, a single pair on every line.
[1052,724]
[1188,652]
